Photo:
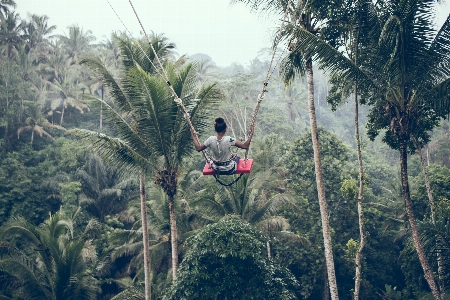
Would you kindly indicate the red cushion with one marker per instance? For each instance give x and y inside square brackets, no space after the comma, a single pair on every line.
[207,170]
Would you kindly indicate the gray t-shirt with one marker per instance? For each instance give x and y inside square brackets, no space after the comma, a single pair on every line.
[220,150]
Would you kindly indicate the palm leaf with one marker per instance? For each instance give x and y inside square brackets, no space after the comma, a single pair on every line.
[97,66]
[113,150]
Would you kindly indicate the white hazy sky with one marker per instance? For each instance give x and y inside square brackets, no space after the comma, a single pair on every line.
[227,33]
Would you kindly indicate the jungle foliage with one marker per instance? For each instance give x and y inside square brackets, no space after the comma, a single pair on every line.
[80,121]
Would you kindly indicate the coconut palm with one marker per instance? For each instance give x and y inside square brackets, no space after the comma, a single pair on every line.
[68,95]
[36,36]
[76,42]
[128,243]
[405,79]
[37,123]
[11,31]
[299,62]
[49,261]
[344,32]
[153,135]
[5,6]
[105,191]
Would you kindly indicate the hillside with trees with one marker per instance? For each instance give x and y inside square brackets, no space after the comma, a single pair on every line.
[102,194]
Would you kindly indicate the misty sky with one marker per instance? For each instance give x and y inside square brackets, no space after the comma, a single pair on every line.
[227,33]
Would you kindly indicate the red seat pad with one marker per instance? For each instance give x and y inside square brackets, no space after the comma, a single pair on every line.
[241,169]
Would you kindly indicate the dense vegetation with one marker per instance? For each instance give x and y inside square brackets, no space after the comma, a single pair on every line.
[101,190]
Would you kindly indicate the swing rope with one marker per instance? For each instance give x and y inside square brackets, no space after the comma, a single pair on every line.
[161,71]
[268,75]
[139,45]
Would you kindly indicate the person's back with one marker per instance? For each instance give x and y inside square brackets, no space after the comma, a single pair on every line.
[220,147]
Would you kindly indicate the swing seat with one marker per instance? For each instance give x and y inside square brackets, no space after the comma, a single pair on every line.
[241,169]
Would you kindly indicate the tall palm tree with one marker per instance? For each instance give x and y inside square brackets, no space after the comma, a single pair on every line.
[37,123]
[129,242]
[299,62]
[405,79]
[56,64]
[11,31]
[76,42]
[5,6]
[345,33]
[68,94]
[153,135]
[36,35]
[105,191]
[48,261]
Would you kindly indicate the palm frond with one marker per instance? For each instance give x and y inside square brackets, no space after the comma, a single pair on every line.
[330,59]
[120,98]
[155,116]
[24,269]
[113,150]
[126,250]
[275,223]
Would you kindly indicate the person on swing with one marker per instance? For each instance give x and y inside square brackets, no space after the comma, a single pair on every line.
[220,147]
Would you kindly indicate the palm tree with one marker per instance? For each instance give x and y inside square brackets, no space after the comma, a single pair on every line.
[404,79]
[11,30]
[299,62]
[36,35]
[436,241]
[348,38]
[57,63]
[105,191]
[37,123]
[68,95]
[48,261]
[153,135]
[5,6]
[129,242]
[76,42]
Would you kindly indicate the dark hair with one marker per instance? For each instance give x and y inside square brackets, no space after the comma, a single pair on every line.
[220,125]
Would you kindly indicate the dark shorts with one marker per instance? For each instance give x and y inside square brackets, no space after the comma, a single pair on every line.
[230,171]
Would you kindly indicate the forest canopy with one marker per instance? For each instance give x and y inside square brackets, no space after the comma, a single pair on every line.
[102,194]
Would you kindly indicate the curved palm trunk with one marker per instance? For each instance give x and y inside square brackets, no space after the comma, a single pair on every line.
[62,116]
[412,222]
[433,219]
[101,109]
[362,237]
[32,135]
[320,189]
[145,237]
[174,237]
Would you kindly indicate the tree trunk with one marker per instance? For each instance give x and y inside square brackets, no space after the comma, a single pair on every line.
[362,238]
[148,294]
[433,219]
[326,286]
[412,221]
[101,110]
[62,116]
[320,189]
[174,237]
